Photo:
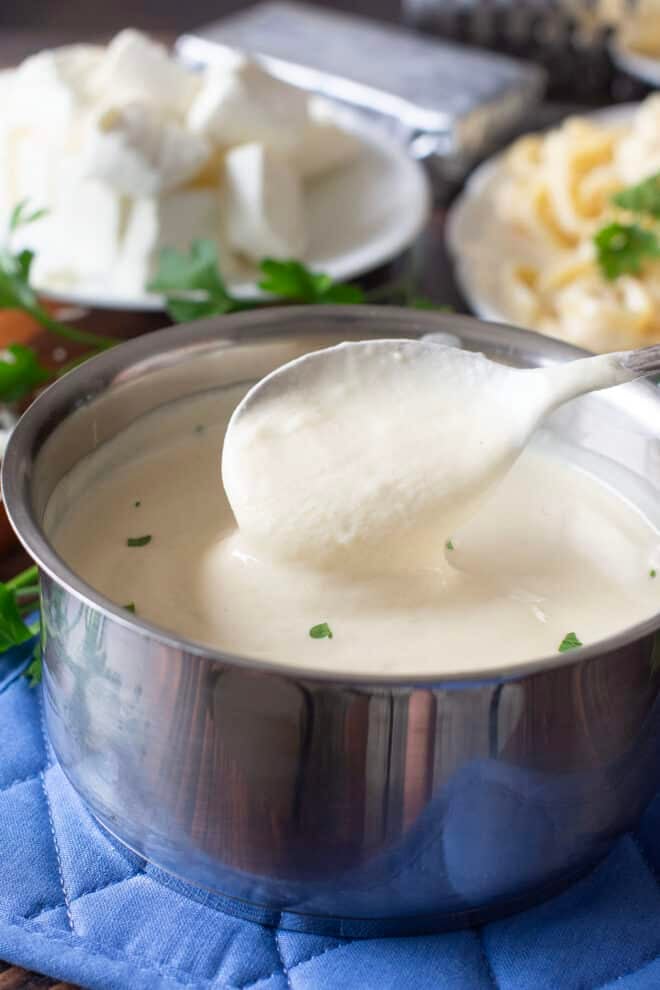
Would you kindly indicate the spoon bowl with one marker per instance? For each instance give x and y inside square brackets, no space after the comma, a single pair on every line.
[379,450]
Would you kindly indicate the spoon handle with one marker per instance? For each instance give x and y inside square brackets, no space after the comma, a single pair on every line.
[644,361]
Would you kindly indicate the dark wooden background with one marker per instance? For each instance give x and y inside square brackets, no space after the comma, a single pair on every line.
[28,25]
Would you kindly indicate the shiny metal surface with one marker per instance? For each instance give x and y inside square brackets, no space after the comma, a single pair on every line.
[362,806]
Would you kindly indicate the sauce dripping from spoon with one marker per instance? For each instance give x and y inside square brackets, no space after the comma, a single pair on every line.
[370,454]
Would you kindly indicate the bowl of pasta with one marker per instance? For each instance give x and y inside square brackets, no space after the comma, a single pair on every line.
[560,233]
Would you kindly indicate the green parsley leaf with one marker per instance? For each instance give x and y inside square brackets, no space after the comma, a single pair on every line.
[130,607]
[138,541]
[35,669]
[321,631]
[13,630]
[137,503]
[569,642]
[20,372]
[192,284]
[621,248]
[449,545]
[194,287]
[641,198]
[294,281]
[653,573]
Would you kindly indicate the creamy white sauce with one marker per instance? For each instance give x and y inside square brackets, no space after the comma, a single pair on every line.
[369,455]
[552,551]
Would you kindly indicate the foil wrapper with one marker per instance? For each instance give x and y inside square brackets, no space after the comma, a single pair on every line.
[449,103]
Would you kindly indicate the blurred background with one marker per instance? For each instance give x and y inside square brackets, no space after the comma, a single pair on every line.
[26,27]
[569,37]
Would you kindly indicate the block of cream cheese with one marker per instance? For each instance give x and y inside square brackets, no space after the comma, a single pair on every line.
[135,68]
[140,152]
[323,146]
[44,112]
[172,220]
[263,202]
[78,249]
[238,103]
[47,89]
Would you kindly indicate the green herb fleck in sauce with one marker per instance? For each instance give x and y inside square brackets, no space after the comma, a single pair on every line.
[321,631]
[138,541]
[569,642]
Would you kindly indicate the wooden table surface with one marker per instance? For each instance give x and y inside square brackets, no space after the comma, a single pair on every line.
[28,27]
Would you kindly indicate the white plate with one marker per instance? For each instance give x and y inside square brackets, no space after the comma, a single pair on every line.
[360,216]
[640,66]
[471,224]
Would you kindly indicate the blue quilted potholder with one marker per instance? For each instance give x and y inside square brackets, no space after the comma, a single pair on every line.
[78,907]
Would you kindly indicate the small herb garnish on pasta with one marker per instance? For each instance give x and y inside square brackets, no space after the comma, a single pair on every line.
[321,631]
[569,642]
[138,541]
[641,198]
[621,248]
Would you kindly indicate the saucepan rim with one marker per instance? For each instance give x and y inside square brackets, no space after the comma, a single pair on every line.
[90,380]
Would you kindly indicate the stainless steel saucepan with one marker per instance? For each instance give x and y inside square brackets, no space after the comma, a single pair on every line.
[350,804]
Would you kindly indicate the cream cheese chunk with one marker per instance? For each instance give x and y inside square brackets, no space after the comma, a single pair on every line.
[139,152]
[239,103]
[263,201]
[70,247]
[134,67]
[323,146]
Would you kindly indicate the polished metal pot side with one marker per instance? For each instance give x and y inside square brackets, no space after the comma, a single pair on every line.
[354,805]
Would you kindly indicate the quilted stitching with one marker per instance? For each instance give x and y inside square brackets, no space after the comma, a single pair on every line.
[56,846]
[43,909]
[487,963]
[279,953]
[241,955]
[20,780]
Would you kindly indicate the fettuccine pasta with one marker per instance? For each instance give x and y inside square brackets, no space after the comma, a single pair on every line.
[534,253]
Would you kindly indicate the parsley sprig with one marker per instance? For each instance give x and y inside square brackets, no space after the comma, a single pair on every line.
[18,599]
[194,288]
[623,246]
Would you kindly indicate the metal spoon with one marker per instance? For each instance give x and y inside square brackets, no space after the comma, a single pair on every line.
[453,423]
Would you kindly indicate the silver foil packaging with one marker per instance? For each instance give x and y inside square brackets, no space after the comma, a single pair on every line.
[449,103]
